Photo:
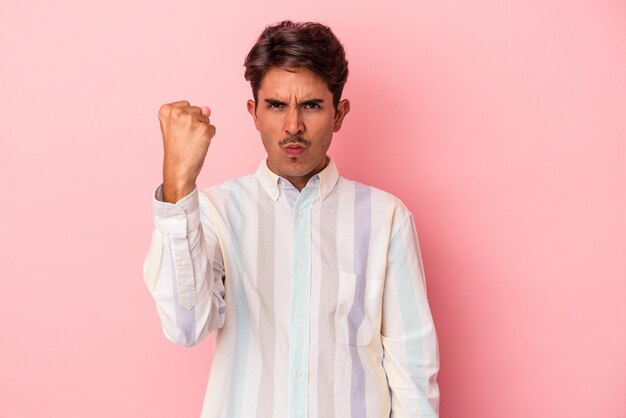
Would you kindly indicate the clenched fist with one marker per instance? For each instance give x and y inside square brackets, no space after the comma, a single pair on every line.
[187,134]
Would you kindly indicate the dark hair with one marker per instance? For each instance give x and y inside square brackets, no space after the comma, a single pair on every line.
[301,44]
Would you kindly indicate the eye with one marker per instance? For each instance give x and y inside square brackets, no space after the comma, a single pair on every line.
[274,105]
[311,106]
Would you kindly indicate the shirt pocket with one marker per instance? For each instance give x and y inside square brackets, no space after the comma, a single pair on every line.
[358,311]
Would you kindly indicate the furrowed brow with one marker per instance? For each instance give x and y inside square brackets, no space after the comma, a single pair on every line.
[274,101]
[313,101]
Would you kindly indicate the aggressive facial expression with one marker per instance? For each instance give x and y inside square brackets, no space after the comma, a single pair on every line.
[296,119]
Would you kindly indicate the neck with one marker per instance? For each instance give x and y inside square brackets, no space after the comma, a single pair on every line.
[301,181]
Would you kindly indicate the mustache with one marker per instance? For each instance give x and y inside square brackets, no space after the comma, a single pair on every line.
[294,140]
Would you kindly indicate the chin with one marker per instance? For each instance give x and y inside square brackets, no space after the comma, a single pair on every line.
[301,169]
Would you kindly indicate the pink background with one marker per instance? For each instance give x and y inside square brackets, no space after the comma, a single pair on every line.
[500,124]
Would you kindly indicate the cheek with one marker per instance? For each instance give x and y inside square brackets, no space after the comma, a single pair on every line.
[266,121]
[320,124]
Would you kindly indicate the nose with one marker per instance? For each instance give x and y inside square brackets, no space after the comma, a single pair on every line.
[294,125]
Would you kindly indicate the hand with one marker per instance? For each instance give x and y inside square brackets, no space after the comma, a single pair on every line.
[187,134]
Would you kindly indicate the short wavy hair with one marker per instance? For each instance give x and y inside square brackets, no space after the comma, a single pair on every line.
[290,44]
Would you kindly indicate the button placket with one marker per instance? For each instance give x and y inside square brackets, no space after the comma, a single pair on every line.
[300,300]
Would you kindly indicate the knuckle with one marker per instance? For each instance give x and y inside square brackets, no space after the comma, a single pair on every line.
[164,110]
[177,112]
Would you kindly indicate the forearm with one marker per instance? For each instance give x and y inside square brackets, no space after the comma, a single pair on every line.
[183,274]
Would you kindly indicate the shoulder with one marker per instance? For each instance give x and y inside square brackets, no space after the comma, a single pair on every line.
[376,195]
[232,186]
[384,205]
[230,195]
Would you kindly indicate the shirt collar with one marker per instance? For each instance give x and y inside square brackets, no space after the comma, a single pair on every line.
[328,178]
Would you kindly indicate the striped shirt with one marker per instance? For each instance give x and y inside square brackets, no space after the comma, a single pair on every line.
[318,297]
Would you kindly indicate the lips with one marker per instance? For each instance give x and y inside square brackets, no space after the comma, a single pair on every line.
[294,150]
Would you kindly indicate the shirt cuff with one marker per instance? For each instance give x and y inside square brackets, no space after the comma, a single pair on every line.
[177,218]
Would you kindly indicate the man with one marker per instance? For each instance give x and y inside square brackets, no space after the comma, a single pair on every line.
[314,282]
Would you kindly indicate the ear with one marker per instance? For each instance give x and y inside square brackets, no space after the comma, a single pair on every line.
[251,109]
[343,107]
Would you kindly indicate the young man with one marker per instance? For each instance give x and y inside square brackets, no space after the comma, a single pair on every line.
[314,282]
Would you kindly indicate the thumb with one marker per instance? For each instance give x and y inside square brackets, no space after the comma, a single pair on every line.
[205,110]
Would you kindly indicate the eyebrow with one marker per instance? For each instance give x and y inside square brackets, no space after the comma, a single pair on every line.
[310,101]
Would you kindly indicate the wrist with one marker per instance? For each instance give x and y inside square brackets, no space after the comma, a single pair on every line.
[174,190]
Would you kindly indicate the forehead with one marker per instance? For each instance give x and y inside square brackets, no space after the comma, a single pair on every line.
[300,81]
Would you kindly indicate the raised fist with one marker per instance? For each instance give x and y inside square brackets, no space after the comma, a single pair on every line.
[187,134]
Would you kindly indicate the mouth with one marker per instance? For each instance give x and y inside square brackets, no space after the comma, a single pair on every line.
[294,150]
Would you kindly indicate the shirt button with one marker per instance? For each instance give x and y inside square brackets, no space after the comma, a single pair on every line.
[300,320]
[299,264]
[299,214]
[299,373]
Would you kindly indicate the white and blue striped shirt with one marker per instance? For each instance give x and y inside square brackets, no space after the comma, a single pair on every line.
[318,297]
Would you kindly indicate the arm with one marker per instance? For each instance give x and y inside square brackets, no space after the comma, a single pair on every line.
[410,352]
[184,271]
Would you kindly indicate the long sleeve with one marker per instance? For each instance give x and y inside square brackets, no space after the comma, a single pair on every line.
[184,270]
[411,356]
